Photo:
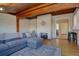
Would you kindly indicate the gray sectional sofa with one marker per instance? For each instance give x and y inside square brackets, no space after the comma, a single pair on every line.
[30,46]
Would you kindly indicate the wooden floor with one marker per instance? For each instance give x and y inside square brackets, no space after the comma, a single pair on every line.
[67,49]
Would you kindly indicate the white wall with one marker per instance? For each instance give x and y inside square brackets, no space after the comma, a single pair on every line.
[76,24]
[23,25]
[27,25]
[76,19]
[53,27]
[33,25]
[7,23]
[46,28]
[61,17]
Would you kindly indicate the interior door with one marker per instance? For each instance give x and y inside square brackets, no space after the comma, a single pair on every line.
[63,30]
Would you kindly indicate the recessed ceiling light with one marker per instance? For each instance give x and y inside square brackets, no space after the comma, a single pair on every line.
[1,9]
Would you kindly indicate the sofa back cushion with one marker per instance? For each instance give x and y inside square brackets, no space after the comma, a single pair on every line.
[13,35]
[6,37]
[2,38]
[28,34]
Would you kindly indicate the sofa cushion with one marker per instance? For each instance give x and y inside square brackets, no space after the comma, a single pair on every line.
[12,50]
[23,52]
[16,42]
[33,34]
[24,35]
[3,47]
[33,42]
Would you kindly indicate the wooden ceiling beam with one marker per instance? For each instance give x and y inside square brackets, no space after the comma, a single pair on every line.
[49,8]
[34,8]
[63,11]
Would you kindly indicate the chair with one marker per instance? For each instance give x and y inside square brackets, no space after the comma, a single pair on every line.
[72,36]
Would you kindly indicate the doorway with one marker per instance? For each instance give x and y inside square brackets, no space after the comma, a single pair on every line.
[62,28]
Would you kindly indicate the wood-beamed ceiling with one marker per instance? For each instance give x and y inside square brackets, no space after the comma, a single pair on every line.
[59,8]
[57,12]
[31,10]
[15,8]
